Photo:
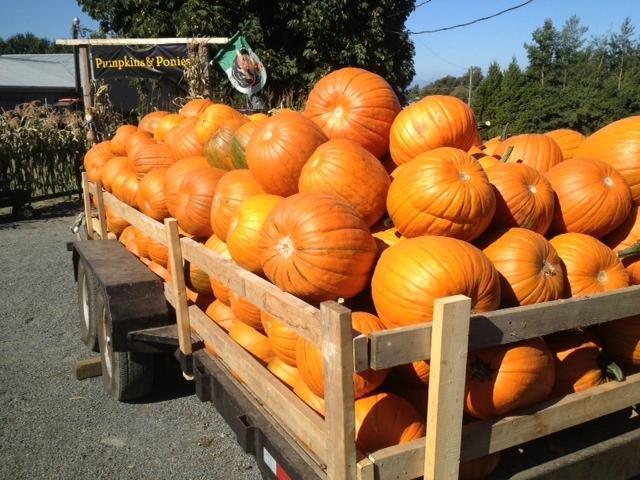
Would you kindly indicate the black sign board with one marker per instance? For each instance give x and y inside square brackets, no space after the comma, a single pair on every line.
[117,61]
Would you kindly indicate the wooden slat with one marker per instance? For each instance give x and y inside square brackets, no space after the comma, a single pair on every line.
[141,41]
[86,200]
[179,288]
[102,216]
[89,368]
[337,353]
[404,345]
[482,438]
[306,426]
[147,225]
[446,387]
[360,352]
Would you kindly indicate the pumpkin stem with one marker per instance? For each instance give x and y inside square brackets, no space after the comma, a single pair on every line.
[481,370]
[630,251]
[507,154]
[614,372]
[503,135]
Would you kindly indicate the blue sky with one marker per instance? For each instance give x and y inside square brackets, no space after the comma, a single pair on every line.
[437,54]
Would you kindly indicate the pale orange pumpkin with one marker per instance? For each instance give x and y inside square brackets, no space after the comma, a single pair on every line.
[135,141]
[165,125]
[308,397]
[536,150]
[220,290]
[252,340]
[150,121]
[221,314]
[111,169]
[210,120]
[245,311]
[125,187]
[158,253]
[119,140]
[96,158]
[240,141]
[286,373]
[195,107]
[568,140]
[150,197]
[283,338]
[115,224]
[218,149]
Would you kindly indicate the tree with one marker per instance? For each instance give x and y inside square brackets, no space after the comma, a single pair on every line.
[298,42]
[485,96]
[620,45]
[23,43]
[543,50]
[570,42]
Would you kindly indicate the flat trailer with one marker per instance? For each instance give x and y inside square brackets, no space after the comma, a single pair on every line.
[131,316]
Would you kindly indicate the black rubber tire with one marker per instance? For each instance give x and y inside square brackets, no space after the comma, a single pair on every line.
[25,212]
[87,293]
[126,375]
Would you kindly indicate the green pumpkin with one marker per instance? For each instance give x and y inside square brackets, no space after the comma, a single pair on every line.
[239,143]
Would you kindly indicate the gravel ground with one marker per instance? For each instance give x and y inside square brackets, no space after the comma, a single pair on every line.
[55,427]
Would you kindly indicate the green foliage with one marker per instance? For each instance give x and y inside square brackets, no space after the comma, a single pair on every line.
[298,42]
[29,43]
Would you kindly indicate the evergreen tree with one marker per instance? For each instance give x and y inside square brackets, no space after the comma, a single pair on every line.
[542,52]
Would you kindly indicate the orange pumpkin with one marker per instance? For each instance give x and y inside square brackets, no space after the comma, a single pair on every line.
[96,158]
[175,175]
[243,234]
[135,241]
[589,265]
[258,117]
[345,169]
[136,141]
[412,274]
[278,150]
[194,198]
[505,378]
[568,140]
[158,253]
[160,271]
[256,343]
[150,197]
[233,188]
[316,247]
[212,118]
[479,468]
[195,107]
[592,197]
[576,354]
[221,314]
[625,237]
[111,170]
[220,290]
[115,224]
[354,104]
[283,338]
[150,156]
[621,340]
[128,237]
[240,141]
[183,140]
[286,373]
[119,140]
[310,363]
[534,149]
[165,125]
[524,197]
[617,144]
[384,420]
[125,187]
[150,121]
[529,267]
[491,146]
[386,238]
[308,397]
[245,311]
[218,147]
[433,122]
[441,192]
[487,161]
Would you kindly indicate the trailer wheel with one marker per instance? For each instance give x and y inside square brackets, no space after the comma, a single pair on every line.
[86,303]
[126,375]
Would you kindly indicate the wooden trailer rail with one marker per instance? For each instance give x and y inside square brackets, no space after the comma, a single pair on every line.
[445,342]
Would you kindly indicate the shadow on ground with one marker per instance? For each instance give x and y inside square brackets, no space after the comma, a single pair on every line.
[43,211]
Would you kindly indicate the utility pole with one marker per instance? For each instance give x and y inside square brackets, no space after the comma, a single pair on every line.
[470,84]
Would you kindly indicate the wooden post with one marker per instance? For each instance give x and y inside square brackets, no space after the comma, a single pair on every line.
[85,77]
[448,366]
[179,289]
[203,57]
[337,352]
[102,215]
[86,197]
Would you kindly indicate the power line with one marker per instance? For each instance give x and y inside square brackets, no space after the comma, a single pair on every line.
[472,21]
[421,4]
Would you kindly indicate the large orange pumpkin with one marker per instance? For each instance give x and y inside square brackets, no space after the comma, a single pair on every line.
[308,397]
[316,247]
[193,201]
[175,175]
[246,223]
[627,236]
[183,140]
[618,144]
[344,168]
[590,266]
[479,468]
[218,147]
[283,338]
[385,419]
[96,158]
[433,122]
[245,311]
[441,192]
[125,187]
[413,273]
[158,253]
[221,314]
[195,107]
[534,149]
[621,340]
[568,140]
[136,141]
[524,197]
[286,373]
[491,146]
[529,267]
[252,340]
[150,156]
[119,140]
[278,150]
[150,121]
[310,363]
[212,118]
[233,188]
[115,224]
[592,197]
[150,196]
[505,378]
[355,104]
[111,170]
[239,143]
[166,124]
[135,241]
[220,290]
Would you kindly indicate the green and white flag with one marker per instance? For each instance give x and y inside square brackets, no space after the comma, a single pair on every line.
[242,66]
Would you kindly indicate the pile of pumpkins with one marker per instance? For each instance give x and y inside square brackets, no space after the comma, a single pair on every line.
[387,209]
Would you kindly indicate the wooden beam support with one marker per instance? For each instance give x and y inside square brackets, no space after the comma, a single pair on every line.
[86,199]
[447,374]
[141,41]
[102,215]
